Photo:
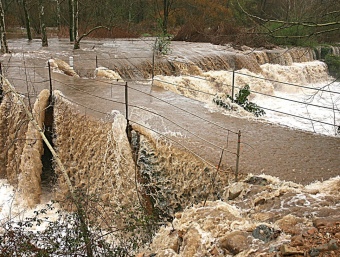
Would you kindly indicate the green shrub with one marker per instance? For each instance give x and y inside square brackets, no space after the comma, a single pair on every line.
[162,44]
[333,63]
[242,100]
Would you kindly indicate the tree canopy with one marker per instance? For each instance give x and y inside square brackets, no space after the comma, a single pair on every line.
[254,22]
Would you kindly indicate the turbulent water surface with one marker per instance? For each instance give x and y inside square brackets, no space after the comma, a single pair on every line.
[288,153]
[297,140]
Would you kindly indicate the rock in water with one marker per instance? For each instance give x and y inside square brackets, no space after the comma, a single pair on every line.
[235,242]
[265,233]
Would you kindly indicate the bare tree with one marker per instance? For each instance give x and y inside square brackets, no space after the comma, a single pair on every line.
[293,19]
[71,19]
[76,18]
[58,14]
[27,20]
[44,41]
[164,10]
[3,38]
[78,39]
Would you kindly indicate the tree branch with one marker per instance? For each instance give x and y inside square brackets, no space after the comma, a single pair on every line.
[295,23]
[77,41]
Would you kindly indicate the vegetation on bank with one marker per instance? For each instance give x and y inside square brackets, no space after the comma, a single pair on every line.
[333,63]
[241,22]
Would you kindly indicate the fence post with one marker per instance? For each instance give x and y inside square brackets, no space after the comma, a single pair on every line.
[96,61]
[126,102]
[128,126]
[153,63]
[50,78]
[238,154]
[233,87]
[1,80]
[1,71]
[214,177]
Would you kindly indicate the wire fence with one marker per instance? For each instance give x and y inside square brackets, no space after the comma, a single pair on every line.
[126,87]
[233,86]
[334,108]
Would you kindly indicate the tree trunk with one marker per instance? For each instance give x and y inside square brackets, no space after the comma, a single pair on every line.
[71,17]
[166,15]
[58,14]
[3,39]
[27,20]
[44,41]
[75,19]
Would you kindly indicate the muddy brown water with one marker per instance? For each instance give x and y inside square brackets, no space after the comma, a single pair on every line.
[289,154]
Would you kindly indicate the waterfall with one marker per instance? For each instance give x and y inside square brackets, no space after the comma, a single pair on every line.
[230,59]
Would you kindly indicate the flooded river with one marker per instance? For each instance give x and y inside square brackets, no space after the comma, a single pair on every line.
[287,153]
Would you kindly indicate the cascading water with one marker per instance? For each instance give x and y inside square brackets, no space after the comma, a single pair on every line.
[102,164]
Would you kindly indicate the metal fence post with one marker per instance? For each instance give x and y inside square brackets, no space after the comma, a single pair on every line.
[96,61]
[233,87]
[126,102]
[49,75]
[1,71]
[238,154]
[128,126]
[1,81]
[214,178]
[153,64]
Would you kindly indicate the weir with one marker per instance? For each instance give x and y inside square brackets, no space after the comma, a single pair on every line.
[101,162]
[254,63]
[214,59]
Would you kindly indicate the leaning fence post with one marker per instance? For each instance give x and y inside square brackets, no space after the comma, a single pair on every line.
[214,177]
[238,154]
[233,87]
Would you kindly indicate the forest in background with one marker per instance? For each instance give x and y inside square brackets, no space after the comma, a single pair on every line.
[240,22]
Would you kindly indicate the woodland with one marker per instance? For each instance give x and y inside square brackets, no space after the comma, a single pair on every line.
[122,220]
[240,22]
